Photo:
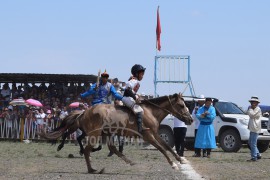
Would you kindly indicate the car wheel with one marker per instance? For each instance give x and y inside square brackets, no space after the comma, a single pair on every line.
[230,141]
[167,136]
[263,146]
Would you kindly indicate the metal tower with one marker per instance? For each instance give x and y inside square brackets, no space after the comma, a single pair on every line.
[173,69]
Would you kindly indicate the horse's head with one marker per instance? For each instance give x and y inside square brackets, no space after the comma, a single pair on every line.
[179,109]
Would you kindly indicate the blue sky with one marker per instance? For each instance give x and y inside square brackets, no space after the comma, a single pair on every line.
[228,41]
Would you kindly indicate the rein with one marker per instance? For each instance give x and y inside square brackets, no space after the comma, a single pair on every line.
[164,108]
[158,106]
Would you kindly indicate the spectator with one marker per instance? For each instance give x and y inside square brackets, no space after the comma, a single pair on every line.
[2,102]
[65,88]
[6,92]
[179,131]
[205,138]
[9,119]
[55,117]
[200,103]
[1,116]
[254,125]
[29,124]
[26,88]
[63,113]
[40,115]
[49,119]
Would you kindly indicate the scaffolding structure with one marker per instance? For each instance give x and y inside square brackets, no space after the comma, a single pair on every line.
[173,69]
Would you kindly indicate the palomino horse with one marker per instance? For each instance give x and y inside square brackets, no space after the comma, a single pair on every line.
[104,118]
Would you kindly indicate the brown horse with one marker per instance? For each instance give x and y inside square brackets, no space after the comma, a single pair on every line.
[105,119]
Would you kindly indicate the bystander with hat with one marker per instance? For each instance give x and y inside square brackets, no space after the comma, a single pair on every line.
[254,125]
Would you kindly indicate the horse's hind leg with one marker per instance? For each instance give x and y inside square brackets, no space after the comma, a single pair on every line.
[87,151]
[90,144]
[148,136]
[79,139]
[65,135]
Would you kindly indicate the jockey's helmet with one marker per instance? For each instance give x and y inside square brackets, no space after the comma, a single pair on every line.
[105,74]
[136,69]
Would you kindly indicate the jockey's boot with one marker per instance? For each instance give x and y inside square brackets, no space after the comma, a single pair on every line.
[140,123]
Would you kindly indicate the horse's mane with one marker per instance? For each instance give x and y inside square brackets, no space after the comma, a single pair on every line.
[159,99]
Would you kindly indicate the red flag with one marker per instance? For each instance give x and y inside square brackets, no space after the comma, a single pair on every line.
[158,31]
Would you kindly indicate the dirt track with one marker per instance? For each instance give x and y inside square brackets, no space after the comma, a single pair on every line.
[42,161]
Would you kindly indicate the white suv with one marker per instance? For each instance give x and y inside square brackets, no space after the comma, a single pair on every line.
[230,127]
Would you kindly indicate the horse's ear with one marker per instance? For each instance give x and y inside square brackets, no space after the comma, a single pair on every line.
[180,94]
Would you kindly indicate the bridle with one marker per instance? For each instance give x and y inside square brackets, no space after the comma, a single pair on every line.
[166,110]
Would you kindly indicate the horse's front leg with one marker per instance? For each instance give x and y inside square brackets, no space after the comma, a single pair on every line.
[149,137]
[167,147]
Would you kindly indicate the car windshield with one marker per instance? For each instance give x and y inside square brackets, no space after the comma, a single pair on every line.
[228,108]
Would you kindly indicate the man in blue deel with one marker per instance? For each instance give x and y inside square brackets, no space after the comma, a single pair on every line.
[205,138]
[102,90]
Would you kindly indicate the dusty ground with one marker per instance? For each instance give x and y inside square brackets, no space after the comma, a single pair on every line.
[223,165]
[42,161]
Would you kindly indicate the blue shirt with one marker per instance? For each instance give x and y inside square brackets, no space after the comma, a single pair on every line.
[102,94]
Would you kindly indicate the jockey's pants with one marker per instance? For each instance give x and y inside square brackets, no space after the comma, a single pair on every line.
[130,102]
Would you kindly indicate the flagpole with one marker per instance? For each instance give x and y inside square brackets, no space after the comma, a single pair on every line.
[156,35]
[155,62]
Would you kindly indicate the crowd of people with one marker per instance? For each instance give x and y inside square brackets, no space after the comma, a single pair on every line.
[55,98]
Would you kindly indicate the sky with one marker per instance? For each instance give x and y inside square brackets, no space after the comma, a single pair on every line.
[227,41]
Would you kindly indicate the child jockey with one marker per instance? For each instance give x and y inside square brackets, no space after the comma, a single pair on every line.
[130,97]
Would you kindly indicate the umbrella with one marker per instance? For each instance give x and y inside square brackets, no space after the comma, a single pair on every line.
[18,102]
[74,105]
[34,102]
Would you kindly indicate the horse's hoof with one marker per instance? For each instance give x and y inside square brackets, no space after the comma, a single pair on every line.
[101,171]
[92,171]
[183,160]
[174,166]
[81,153]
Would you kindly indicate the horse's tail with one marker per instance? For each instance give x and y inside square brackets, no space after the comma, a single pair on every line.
[66,123]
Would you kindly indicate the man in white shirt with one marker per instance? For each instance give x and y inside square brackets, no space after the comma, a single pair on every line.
[179,131]
[254,125]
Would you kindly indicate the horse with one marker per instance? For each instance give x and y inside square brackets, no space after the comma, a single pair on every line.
[107,119]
